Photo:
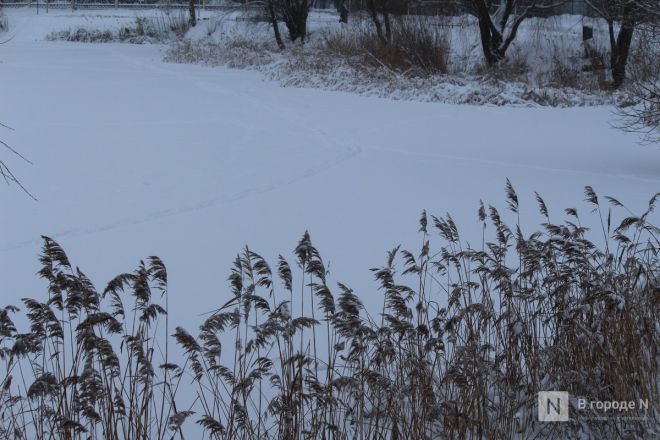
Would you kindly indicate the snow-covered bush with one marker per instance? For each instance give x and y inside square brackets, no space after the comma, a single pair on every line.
[234,51]
[158,29]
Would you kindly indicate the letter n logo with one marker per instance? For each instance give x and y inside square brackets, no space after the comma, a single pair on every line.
[553,406]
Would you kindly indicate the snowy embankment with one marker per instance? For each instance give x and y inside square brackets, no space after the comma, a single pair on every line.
[547,64]
[135,157]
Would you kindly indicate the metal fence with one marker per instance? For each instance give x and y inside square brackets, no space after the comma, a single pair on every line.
[427,7]
[130,4]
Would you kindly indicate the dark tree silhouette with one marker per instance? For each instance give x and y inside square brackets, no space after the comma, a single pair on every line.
[622,17]
[193,16]
[499,21]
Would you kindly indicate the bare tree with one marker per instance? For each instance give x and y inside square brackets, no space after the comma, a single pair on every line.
[294,15]
[622,17]
[499,21]
[641,114]
[643,117]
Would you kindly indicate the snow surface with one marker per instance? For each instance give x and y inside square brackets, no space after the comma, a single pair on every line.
[136,157]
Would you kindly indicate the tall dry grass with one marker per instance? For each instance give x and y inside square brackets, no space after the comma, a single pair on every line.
[466,337]
[419,47]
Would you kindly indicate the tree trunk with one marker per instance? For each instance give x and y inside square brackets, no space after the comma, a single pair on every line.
[193,15]
[621,50]
[491,38]
[294,13]
[386,21]
[374,17]
[491,41]
[484,33]
[276,27]
[343,12]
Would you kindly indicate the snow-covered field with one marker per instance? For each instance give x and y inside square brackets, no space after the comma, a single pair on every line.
[135,157]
